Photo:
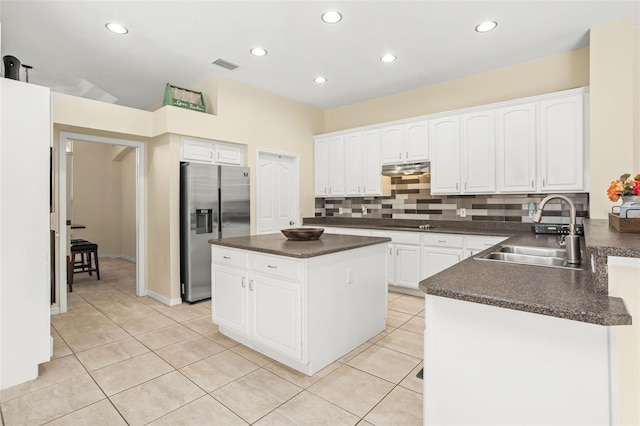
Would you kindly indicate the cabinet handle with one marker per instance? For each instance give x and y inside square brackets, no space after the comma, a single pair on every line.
[244,282]
[407,155]
[358,189]
[400,155]
[488,244]
[251,285]
[325,189]
[465,185]
[391,251]
[210,154]
[398,252]
[364,189]
[226,257]
[532,184]
[544,183]
[456,186]
[272,267]
[442,241]
[217,155]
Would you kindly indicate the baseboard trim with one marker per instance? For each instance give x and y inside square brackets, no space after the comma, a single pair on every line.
[160,298]
[117,256]
[55,310]
[405,290]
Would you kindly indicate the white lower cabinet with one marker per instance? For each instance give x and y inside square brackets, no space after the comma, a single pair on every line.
[439,252]
[407,265]
[275,314]
[299,312]
[474,245]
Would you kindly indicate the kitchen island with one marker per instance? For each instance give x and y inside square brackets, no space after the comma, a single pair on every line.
[302,303]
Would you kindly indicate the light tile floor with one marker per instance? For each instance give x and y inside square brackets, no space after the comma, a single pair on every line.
[120,359]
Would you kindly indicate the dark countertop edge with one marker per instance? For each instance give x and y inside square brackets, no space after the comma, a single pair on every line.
[599,279]
[572,315]
[299,255]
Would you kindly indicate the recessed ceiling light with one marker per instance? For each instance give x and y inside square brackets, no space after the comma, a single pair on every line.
[258,51]
[486,26]
[331,17]
[319,80]
[116,28]
[388,58]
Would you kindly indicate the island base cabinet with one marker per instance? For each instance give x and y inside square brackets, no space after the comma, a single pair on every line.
[304,313]
[490,365]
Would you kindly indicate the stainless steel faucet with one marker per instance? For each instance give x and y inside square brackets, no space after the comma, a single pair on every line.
[572,241]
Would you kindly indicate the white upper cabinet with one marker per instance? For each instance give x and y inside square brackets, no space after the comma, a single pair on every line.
[444,134]
[213,152]
[373,183]
[329,166]
[405,142]
[353,150]
[478,152]
[516,149]
[561,144]
[228,154]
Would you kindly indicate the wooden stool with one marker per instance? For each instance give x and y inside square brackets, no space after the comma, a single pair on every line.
[87,250]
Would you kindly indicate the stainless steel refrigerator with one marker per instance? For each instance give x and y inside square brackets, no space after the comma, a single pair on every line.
[214,203]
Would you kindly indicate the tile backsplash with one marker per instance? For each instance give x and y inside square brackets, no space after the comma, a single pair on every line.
[411,199]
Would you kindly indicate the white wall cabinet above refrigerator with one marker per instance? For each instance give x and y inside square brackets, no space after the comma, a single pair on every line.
[211,152]
[408,142]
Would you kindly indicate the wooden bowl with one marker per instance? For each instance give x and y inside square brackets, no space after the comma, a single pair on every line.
[302,234]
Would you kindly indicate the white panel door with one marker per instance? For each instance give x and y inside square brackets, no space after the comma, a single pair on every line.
[371,163]
[516,149]
[276,314]
[407,265]
[321,167]
[444,136]
[276,186]
[392,145]
[416,141]
[336,166]
[478,152]
[561,144]
[229,298]
[353,148]
[435,260]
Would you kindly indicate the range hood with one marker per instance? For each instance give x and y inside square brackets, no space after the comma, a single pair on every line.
[405,169]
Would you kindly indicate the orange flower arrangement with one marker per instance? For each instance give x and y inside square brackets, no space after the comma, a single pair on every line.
[626,185]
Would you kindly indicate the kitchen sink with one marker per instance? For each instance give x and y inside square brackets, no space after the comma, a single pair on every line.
[525,255]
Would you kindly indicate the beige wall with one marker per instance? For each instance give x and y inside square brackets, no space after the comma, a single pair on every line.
[623,282]
[636,120]
[612,109]
[545,75]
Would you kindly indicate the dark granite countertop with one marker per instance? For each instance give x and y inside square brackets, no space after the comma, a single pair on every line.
[279,245]
[575,294]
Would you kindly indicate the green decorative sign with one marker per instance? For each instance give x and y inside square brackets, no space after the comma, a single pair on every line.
[184,98]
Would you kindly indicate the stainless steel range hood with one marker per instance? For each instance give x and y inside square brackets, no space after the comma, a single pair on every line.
[405,169]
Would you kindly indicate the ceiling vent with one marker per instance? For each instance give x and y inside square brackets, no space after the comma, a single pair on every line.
[225,64]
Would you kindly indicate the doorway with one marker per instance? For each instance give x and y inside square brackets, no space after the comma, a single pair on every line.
[64,204]
[277,191]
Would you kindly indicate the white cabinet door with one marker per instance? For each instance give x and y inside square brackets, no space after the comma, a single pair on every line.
[436,259]
[195,150]
[371,163]
[228,154]
[561,144]
[353,148]
[276,315]
[444,136]
[407,265]
[416,141]
[478,152]
[229,298]
[516,149]
[321,163]
[392,144]
[336,166]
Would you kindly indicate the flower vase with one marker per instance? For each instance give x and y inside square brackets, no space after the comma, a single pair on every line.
[630,206]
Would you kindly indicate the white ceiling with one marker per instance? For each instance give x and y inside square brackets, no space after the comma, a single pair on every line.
[175,41]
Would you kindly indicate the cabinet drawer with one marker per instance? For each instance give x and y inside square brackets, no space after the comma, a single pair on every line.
[442,240]
[401,237]
[278,266]
[481,243]
[229,257]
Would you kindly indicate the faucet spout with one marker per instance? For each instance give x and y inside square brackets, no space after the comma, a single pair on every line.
[572,241]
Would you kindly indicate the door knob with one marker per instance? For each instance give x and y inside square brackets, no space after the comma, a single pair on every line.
[291,223]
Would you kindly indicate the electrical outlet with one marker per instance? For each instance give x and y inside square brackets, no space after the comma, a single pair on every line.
[364,211]
[340,210]
[463,212]
[532,209]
